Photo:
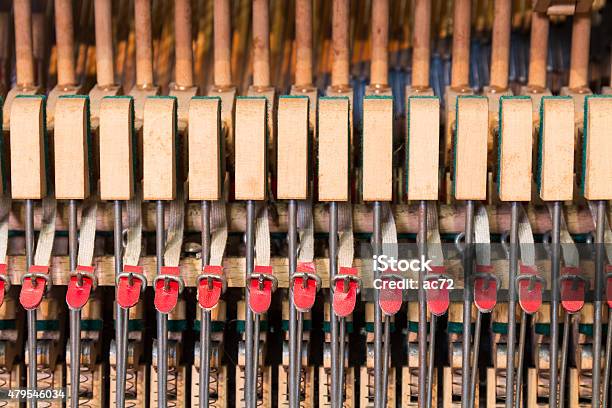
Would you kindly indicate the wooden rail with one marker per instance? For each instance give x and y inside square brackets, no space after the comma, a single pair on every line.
[451,218]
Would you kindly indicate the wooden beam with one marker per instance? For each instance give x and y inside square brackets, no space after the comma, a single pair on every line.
[452,221]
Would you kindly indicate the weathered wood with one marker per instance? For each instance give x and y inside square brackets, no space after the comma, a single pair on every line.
[451,218]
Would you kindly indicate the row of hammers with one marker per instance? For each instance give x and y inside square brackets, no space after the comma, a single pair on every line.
[197,158]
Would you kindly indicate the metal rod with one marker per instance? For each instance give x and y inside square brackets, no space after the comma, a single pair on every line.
[377,246]
[31,315]
[122,346]
[521,358]
[121,336]
[554,304]
[422,329]
[564,356]
[468,260]
[607,362]
[162,318]
[431,360]
[205,317]
[333,270]
[598,296]
[249,397]
[254,379]
[75,352]
[32,353]
[474,372]
[294,358]
[341,351]
[386,362]
[431,357]
[75,315]
[512,270]
[162,359]
[204,358]
[299,330]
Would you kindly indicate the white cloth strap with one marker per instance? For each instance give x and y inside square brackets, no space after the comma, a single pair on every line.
[482,236]
[131,255]
[434,243]
[87,231]
[44,247]
[5,210]
[306,231]
[568,247]
[525,236]
[262,236]
[346,250]
[218,231]
[176,227]
[389,232]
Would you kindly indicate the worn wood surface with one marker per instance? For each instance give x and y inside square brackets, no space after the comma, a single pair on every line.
[451,218]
